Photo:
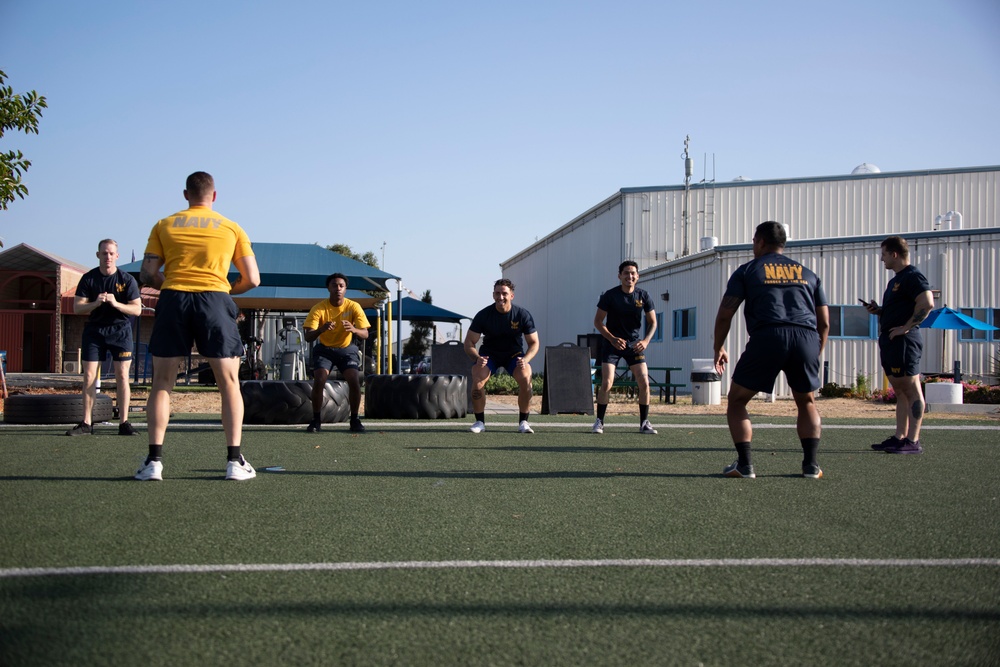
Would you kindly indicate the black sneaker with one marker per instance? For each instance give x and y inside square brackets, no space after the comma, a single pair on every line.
[812,471]
[126,428]
[83,428]
[890,442]
[357,426]
[313,427]
[736,470]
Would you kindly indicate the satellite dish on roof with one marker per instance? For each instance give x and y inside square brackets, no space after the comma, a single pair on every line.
[865,168]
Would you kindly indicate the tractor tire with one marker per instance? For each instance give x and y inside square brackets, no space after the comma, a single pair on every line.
[415,396]
[55,409]
[290,402]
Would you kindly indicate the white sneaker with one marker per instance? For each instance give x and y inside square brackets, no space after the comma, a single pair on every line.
[240,470]
[647,428]
[524,427]
[152,471]
[478,427]
[598,427]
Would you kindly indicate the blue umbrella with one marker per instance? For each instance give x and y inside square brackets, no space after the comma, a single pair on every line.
[946,318]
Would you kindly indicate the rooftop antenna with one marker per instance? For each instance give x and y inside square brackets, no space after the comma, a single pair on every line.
[686,215]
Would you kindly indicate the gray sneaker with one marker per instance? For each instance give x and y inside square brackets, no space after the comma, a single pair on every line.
[646,428]
[598,427]
[736,470]
[83,428]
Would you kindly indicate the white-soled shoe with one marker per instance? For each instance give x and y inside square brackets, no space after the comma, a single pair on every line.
[151,471]
[646,428]
[478,427]
[524,427]
[598,426]
[240,470]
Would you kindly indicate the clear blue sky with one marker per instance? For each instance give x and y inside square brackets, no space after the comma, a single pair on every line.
[459,132]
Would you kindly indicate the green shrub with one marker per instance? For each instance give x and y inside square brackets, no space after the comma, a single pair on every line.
[505,385]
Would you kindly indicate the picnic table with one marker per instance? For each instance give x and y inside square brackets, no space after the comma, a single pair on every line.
[623,378]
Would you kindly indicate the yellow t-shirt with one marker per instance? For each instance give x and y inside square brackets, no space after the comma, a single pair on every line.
[197,246]
[324,312]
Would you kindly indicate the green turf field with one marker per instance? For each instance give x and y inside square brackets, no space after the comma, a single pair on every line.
[418,543]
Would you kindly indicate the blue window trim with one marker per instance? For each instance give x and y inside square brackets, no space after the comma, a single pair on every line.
[988,315]
[692,321]
[872,324]
[658,336]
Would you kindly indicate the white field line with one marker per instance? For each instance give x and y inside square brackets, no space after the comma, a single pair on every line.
[8,573]
[493,425]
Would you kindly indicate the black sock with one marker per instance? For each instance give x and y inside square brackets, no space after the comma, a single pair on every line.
[601,411]
[743,453]
[481,417]
[155,453]
[522,416]
[809,447]
[643,413]
[233,453]
[315,417]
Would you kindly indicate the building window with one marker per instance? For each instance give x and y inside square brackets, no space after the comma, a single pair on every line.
[658,336]
[684,328]
[851,322]
[988,315]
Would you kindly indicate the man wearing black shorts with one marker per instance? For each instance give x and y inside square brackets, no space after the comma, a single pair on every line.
[906,303]
[333,324]
[502,326]
[788,322]
[195,248]
[619,319]
[111,297]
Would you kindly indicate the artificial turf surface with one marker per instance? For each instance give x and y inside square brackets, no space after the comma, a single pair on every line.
[433,492]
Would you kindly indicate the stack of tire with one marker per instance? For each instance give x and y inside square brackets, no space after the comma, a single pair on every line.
[290,402]
[415,396]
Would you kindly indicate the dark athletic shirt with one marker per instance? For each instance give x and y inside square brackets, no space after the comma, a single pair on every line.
[778,292]
[900,297]
[502,332]
[625,311]
[119,283]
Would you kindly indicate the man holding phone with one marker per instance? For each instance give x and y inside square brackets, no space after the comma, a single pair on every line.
[906,303]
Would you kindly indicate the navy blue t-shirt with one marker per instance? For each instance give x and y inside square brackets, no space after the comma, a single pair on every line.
[119,283]
[502,332]
[778,291]
[900,296]
[625,311]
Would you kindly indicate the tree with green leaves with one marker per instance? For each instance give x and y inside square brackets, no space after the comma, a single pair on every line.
[420,334]
[17,112]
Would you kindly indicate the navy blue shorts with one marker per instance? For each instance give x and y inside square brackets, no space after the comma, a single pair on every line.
[341,357]
[203,319]
[508,363]
[609,355]
[901,356]
[794,350]
[98,341]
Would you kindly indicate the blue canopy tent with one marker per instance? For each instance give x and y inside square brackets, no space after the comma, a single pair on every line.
[946,318]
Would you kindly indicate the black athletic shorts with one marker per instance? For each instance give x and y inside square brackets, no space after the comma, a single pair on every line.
[98,341]
[203,319]
[901,355]
[507,362]
[341,357]
[610,355]
[794,350]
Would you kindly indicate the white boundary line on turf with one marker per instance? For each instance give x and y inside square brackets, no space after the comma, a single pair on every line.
[9,573]
[496,426]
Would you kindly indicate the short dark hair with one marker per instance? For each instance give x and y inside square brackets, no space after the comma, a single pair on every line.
[627,262]
[333,276]
[504,282]
[898,245]
[771,233]
[199,185]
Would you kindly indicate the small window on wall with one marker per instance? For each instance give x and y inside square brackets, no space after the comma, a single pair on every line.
[987,315]
[684,328]
[658,336]
[851,322]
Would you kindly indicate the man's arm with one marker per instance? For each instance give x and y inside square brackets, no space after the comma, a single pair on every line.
[823,326]
[249,275]
[471,339]
[82,306]
[149,273]
[723,321]
[640,346]
[922,307]
[532,340]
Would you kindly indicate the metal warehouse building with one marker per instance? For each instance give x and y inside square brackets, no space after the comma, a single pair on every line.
[687,240]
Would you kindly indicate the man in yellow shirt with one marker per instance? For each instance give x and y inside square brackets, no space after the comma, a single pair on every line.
[333,323]
[195,248]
